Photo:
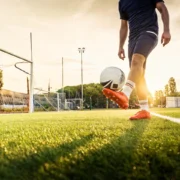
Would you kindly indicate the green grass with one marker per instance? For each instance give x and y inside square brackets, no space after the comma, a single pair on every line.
[172,112]
[89,145]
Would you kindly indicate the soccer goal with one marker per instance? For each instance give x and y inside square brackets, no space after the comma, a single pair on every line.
[10,96]
[48,101]
[73,104]
[54,101]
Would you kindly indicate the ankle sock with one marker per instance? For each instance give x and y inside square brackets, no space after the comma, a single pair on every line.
[128,88]
[144,105]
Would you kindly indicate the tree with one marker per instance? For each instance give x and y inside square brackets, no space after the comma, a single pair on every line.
[1,79]
[93,96]
[172,87]
[159,98]
[166,91]
[161,94]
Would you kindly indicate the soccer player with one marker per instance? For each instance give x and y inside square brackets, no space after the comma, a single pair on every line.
[141,18]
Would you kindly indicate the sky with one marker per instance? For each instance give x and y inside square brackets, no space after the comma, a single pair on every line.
[60,27]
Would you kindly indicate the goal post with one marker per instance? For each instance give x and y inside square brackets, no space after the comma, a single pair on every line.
[31,100]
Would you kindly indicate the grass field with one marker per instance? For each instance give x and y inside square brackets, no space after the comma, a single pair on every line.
[89,145]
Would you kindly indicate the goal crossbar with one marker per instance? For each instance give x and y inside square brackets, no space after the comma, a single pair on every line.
[4,51]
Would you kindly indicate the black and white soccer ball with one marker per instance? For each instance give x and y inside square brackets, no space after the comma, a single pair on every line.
[112,78]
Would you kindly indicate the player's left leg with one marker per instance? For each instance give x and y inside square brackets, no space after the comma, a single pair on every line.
[146,43]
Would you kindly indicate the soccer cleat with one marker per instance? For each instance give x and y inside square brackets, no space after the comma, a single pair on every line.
[143,114]
[118,97]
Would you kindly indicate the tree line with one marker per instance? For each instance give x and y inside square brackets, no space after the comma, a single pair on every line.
[93,96]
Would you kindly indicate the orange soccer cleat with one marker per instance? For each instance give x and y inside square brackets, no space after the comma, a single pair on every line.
[118,97]
[143,114]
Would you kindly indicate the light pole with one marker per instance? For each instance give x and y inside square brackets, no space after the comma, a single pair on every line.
[81,50]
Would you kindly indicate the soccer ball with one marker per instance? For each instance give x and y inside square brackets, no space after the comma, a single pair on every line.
[112,78]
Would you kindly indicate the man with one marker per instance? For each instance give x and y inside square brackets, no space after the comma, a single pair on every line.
[141,17]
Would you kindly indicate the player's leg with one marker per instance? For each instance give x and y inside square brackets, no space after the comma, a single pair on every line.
[140,50]
[135,74]
[145,45]
[142,93]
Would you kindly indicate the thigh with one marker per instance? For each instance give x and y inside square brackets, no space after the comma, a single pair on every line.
[131,48]
[146,42]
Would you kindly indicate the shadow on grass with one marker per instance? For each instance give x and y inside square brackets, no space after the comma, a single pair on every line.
[30,167]
[111,161]
[116,160]
[123,158]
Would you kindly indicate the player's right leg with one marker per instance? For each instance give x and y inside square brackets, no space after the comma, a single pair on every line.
[142,93]
[145,44]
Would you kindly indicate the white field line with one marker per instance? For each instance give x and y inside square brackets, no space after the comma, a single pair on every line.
[177,120]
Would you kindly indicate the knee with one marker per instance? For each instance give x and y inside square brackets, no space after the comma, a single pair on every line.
[138,61]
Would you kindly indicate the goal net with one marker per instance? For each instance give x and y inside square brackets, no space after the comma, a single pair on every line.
[48,101]
[54,101]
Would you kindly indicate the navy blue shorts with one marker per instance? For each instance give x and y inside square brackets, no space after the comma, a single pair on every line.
[143,45]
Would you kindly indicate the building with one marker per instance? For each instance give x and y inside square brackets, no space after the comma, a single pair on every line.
[172,102]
